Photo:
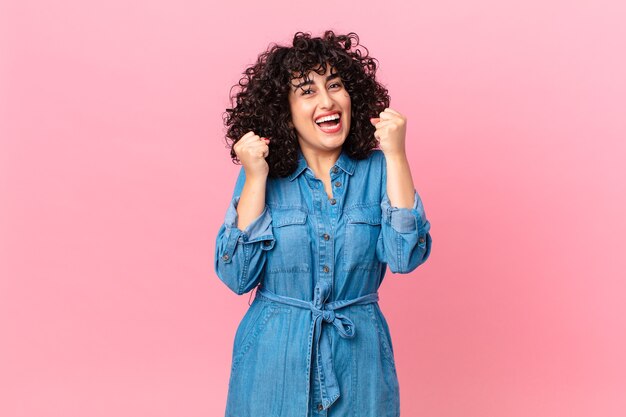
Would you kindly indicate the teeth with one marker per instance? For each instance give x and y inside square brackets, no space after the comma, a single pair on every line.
[327,118]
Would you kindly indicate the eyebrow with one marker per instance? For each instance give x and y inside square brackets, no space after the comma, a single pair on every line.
[309,82]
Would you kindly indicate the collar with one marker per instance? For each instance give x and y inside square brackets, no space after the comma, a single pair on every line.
[344,162]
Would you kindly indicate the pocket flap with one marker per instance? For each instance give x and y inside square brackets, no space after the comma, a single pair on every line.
[284,217]
[369,215]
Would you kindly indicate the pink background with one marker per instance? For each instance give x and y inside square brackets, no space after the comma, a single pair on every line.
[114,180]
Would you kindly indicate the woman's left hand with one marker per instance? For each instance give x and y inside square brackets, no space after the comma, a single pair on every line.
[390,132]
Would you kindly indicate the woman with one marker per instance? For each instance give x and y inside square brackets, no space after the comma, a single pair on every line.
[316,216]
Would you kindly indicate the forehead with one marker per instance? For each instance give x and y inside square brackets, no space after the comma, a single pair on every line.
[300,79]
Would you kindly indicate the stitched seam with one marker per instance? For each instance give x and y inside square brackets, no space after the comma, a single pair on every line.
[386,348]
[251,337]
[246,262]
[399,253]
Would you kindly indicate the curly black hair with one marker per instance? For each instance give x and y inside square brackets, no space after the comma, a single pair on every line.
[262,102]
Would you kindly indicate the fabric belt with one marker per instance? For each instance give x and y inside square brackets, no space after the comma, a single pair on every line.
[322,311]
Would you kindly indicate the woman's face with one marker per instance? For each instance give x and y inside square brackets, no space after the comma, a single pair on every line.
[321,95]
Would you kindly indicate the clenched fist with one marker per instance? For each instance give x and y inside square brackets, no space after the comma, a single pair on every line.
[390,132]
[252,150]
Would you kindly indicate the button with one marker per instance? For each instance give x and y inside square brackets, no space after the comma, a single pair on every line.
[422,240]
[320,407]
[333,201]
[326,236]
[337,183]
[225,257]
[335,170]
[326,268]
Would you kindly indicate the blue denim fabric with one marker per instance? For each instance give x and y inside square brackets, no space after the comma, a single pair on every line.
[314,340]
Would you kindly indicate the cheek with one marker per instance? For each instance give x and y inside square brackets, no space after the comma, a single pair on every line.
[297,115]
[302,120]
[348,101]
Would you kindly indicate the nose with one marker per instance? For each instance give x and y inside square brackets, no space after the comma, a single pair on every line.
[325,100]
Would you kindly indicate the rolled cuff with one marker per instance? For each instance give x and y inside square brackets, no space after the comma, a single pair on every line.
[402,219]
[260,229]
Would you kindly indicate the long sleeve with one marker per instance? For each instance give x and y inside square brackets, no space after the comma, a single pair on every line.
[240,254]
[404,242]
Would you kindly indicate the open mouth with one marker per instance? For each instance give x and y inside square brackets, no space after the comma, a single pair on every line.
[329,124]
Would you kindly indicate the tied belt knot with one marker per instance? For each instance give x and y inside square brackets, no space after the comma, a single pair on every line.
[344,325]
[327,315]
[323,312]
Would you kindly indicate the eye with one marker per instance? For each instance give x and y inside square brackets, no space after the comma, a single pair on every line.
[308,90]
[337,84]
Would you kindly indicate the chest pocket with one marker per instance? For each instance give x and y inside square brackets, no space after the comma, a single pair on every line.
[362,231]
[292,250]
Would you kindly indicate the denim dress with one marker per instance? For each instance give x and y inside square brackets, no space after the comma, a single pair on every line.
[314,341]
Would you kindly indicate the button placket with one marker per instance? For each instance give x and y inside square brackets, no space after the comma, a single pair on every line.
[329,253]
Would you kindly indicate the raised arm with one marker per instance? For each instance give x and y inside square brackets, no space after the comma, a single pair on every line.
[405,241]
[246,234]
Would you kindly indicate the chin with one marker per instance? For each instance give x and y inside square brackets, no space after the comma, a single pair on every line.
[335,145]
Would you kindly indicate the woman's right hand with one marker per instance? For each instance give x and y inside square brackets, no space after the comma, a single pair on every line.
[252,150]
